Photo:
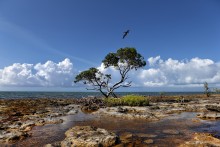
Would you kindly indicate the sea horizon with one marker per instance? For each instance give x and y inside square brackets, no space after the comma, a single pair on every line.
[69,94]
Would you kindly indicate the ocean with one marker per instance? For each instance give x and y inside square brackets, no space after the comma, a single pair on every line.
[17,95]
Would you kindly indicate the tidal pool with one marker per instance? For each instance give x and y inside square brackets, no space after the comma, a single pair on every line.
[185,123]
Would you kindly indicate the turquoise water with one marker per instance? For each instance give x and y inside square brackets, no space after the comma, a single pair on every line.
[5,95]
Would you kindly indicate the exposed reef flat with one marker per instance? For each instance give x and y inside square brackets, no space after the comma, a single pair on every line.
[19,116]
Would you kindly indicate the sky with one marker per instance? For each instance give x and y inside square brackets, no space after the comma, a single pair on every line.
[45,44]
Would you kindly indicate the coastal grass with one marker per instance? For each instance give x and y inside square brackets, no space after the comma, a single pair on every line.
[128,100]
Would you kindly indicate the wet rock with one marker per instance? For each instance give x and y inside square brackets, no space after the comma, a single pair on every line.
[14,126]
[40,122]
[50,120]
[171,132]
[56,114]
[91,101]
[20,115]
[195,107]
[208,115]
[142,135]
[88,136]
[120,145]
[175,110]
[196,120]
[55,144]
[2,134]
[71,112]
[154,107]
[12,138]
[27,128]
[90,108]
[202,140]
[3,117]
[41,111]
[149,141]
[27,124]
[15,136]
[126,137]
[17,114]
[48,145]
[213,108]
[122,110]
[130,112]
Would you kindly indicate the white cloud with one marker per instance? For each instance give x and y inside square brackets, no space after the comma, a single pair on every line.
[48,74]
[171,73]
[114,73]
[152,61]
[188,72]
[158,73]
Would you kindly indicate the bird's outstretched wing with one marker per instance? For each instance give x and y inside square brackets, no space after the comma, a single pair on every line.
[125,34]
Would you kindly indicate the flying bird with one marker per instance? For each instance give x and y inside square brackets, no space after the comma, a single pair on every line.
[125,33]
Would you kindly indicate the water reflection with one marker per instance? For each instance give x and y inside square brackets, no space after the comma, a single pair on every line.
[185,123]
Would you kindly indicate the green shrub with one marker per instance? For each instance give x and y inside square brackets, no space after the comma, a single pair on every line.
[128,100]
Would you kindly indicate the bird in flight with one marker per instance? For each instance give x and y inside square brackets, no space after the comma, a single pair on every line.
[125,33]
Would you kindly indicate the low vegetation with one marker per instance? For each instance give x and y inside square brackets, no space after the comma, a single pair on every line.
[128,100]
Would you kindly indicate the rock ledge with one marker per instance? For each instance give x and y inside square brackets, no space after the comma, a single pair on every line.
[88,136]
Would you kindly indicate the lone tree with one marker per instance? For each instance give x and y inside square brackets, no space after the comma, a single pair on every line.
[207,90]
[124,60]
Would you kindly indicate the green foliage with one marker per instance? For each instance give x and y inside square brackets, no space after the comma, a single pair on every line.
[128,56]
[87,75]
[124,60]
[129,100]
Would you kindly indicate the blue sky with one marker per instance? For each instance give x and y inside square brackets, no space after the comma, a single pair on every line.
[83,32]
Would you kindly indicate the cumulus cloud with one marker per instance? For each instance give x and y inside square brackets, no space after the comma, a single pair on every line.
[174,72]
[152,61]
[158,73]
[49,74]
[171,73]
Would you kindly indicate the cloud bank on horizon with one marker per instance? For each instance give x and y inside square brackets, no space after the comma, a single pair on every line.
[49,74]
[157,73]
[172,72]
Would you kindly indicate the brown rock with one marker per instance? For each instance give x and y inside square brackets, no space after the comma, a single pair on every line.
[88,136]
[120,145]
[171,132]
[149,141]
[49,120]
[15,136]
[209,115]
[142,135]
[202,140]
[213,108]
[48,145]
[126,137]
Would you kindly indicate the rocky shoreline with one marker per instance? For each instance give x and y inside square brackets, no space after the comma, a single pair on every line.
[19,116]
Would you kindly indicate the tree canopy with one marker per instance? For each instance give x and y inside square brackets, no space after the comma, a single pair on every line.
[124,60]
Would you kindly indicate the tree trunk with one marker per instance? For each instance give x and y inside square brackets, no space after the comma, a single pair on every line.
[113,94]
[106,96]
